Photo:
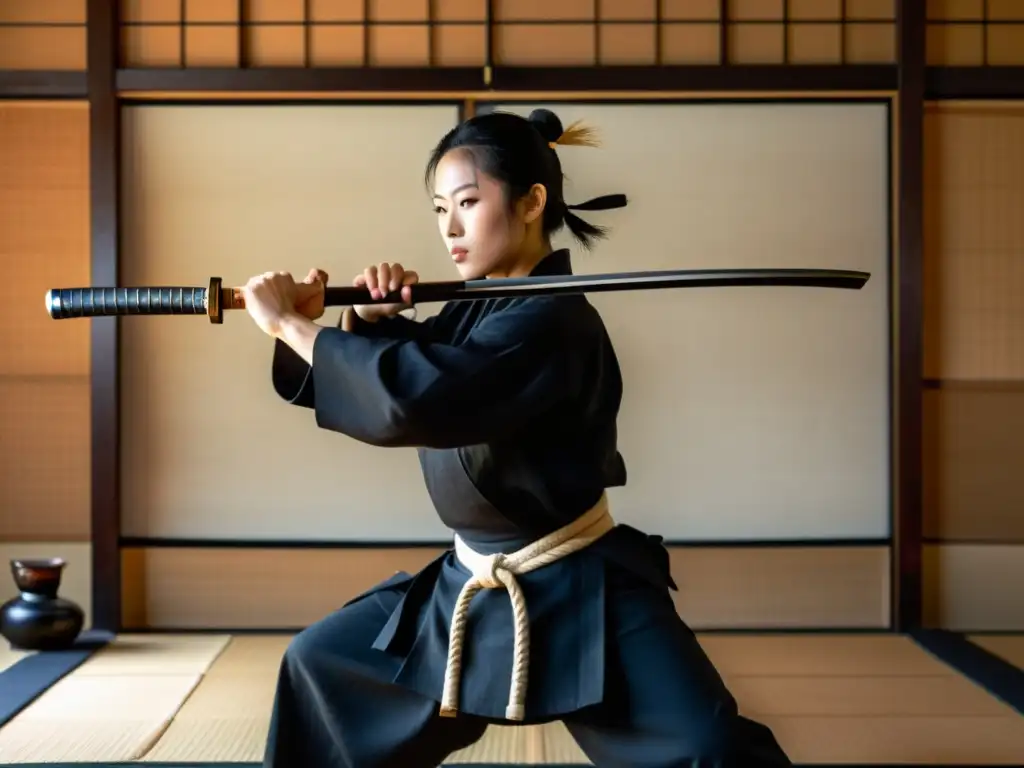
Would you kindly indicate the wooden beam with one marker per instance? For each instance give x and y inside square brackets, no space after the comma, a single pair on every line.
[907,445]
[104,172]
[36,84]
[989,82]
[641,79]
[974,83]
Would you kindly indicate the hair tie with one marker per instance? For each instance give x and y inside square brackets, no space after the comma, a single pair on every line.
[602,203]
[577,134]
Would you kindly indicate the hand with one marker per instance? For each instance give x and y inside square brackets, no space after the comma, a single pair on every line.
[309,298]
[380,281]
[270,299]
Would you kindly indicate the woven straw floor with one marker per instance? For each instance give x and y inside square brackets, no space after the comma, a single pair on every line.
[201,699]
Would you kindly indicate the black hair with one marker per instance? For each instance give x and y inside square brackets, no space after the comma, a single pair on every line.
[520,152]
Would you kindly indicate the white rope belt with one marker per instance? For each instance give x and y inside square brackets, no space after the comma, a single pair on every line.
[499,571]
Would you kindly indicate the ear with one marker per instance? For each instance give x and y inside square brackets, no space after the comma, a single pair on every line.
[534,202]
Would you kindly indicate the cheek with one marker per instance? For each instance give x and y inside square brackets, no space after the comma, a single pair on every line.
[488,224]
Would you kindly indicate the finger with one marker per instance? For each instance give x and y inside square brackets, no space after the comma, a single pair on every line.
[370,275]
[411,278]
[383,279]
[397,277]
[407,294]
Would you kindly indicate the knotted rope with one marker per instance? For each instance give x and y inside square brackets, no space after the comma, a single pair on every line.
[500,570]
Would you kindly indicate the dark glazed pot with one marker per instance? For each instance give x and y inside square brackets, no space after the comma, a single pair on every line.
[39,619]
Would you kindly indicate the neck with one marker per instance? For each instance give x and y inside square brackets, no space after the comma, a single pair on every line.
[523,262]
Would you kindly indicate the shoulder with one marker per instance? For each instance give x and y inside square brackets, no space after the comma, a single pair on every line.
[546,316]
[564,310]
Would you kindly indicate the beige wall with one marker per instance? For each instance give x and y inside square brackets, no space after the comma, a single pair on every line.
[974,358]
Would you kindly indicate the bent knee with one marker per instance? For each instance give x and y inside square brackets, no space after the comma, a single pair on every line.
[301,649]
[312,643]
[341,640]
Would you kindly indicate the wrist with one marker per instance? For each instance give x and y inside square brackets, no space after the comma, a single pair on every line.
[288,323]
[299,333]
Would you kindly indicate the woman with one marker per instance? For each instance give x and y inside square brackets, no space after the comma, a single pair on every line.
[512,405]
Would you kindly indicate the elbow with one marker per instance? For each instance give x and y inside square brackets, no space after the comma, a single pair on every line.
[396,426]
[390,424]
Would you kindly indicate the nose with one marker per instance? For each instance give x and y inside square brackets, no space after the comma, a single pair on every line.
[453,225]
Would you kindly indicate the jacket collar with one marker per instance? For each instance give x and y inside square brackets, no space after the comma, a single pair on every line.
[555,263]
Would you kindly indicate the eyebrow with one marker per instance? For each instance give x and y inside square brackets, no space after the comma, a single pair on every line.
[458,189]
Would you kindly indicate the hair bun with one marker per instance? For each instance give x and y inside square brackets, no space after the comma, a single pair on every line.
[547,123]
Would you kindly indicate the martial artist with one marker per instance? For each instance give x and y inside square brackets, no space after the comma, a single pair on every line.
[545,608]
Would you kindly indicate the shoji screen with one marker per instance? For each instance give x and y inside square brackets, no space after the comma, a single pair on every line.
[44,368]
[974,364]
[209,448]
[750,414]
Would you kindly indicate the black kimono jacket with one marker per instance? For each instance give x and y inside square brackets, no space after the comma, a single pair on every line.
[511,405]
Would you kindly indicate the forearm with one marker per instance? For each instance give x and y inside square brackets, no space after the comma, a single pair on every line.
[299,333]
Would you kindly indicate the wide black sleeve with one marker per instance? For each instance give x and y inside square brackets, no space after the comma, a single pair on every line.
[290,374]
[515,366]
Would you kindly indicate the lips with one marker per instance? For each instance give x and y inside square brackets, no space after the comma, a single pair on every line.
[459,254]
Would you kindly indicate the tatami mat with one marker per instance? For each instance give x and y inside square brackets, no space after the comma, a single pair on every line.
[156,655]
[227,717]
[115,705]
[9,656]
[1008,647]
[94,718]
[829,698]
[866,699]
[820,655]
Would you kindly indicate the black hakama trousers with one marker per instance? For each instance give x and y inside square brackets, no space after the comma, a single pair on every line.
[353,694]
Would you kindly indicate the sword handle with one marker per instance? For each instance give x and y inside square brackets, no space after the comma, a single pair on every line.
[65,303]
[346,296]
[342,296]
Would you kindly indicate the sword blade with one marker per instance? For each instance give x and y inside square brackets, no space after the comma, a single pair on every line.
[653,280]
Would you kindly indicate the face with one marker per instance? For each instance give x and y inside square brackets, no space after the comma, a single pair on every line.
[483,235]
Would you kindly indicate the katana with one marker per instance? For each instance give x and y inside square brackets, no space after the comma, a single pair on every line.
[214,300]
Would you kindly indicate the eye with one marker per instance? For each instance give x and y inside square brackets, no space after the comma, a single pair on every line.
[467,202]
[438,209]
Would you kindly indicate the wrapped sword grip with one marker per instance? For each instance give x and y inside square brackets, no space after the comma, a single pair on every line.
[104,302]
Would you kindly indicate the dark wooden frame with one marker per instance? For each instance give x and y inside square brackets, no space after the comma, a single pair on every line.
[107,86]
[990,82]
[907,564]
[104,185]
